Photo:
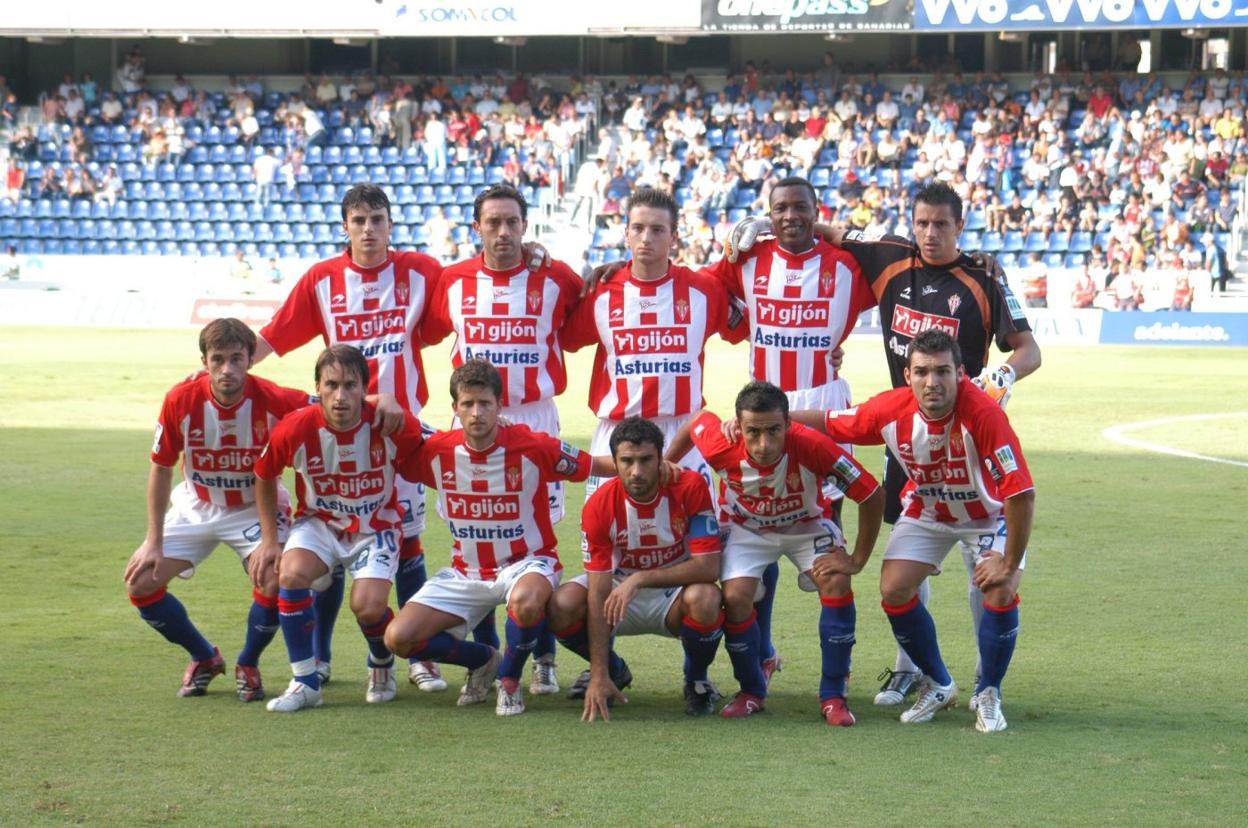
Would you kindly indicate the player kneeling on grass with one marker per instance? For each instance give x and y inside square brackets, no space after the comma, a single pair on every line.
[348,513]
[771,495]
[218,421]
[652,558]
[969,485]
[492,490]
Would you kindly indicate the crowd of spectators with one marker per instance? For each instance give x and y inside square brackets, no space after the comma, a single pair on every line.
[1070,160]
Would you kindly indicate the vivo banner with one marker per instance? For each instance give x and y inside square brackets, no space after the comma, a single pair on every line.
[1004,15]
[1165,328]
[805,15]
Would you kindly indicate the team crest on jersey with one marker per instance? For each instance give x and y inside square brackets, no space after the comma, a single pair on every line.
[535,301]
[678,527]
[259,433]
[377,454]
[826,279]
[401,292]
[954,302]
[682,310]
[338,303]
[956,448]
[793,481]
[513,477]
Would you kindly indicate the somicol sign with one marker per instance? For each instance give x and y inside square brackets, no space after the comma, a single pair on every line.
[963,15]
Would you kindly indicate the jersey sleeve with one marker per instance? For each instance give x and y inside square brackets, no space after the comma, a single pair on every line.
[581,328]
[716,302]
[286,400]
[709,440]
[1002,453]
[411,436]
[703,536]
[735,327]
[859,425]
[167,444]
[876,257]
[846,473]
[435,325]
[276,455]
[562,460]
[597,545]
[298,321]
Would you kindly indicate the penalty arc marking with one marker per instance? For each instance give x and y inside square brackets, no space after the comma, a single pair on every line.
[1120,434]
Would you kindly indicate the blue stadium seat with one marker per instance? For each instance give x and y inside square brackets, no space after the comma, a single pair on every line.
[1081,242]
[1054,259]
[91,247]
[1035,242]
[1013,241]
[992,242]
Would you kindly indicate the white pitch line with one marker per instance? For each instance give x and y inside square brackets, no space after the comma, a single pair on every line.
[1118,434]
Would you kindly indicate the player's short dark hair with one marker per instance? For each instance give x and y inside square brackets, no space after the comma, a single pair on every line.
[934,341]
[478,372]
[938,193]
[760,397]
[499,191]
[366,196]
[349,357]
[636,430]
[222,333]
[658,199]
[795,181]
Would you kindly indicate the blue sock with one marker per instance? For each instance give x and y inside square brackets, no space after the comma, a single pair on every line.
[576,639]
[487,632]
[447,649]
[327,605]
[262,625]
[167,616]
[771,578]
[545,644]
[915,631]
[741,641]
[700,642]
[379,654]
[836,640]
[298,620]
[998,632]
[521,641]
[411,575]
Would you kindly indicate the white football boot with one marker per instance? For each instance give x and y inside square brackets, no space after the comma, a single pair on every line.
[989,717]
[933,697]
[381,685]
[477,685]
[297,697]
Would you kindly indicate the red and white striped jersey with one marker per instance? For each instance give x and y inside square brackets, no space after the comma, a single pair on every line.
[495,501]
[510,318]
[345,478]
[620,535]
[960,468]
[219,445]
[651,337]
[799,308]
[377,309]
[789,491]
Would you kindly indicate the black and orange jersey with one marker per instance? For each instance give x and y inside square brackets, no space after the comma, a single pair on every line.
[962,298]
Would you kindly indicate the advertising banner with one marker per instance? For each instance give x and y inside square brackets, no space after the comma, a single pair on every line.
[1006,15]
[1166,328]
[806,15]
[1065,326]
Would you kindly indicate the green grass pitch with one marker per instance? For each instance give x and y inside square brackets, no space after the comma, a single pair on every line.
[1126,698]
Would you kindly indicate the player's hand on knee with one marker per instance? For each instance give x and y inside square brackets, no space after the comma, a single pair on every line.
[744,233]
[617,602]
[991,571]
[389,414]
[147,556]
[731,429]
[262,564]
[602,273]
[836,562]
[598,697]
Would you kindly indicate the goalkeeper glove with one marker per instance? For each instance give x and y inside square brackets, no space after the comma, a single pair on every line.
[997,384]
[744,233]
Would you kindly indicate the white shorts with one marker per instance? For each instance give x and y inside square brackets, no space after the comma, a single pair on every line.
[411,496]
[194,527]
[647,612]
[832,396]
[929,542]
[471,598]
[747,553]
[364,554]
[542,416]
[601,445]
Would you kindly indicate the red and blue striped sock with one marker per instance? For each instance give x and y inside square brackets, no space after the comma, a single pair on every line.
[836,641]
[521,641]
[262,625]
[700,642]
[998,633]
[165,614]
[915,631]
[298,620]
[379,654]
[741,639]
[327,605]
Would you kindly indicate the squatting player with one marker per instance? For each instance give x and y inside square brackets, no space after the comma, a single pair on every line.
[348,515]
[505,311]
[772,497]
[968,484]
[652,557]
[218,422]
[931,283]
[492,489]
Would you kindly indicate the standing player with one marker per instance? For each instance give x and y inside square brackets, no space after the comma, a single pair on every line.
[772,496]
[508,313]
[652,558]
[218,422]
[348,515]
[492,489]
[374,298]
[968,485]
[931,283]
